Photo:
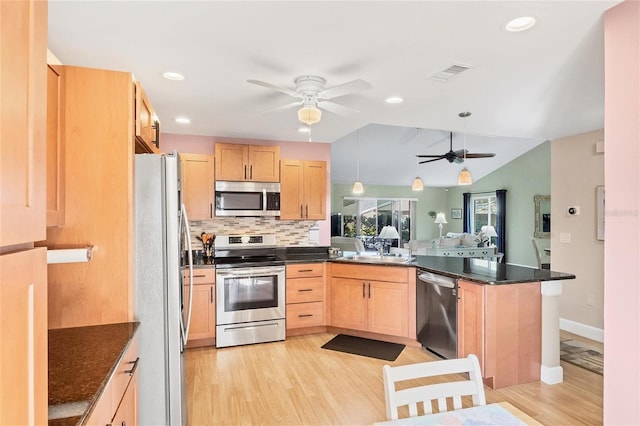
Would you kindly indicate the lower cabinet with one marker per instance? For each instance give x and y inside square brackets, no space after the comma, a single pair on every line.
[117,403]
[202,329]
[372,298]
[305,295]
[501,325]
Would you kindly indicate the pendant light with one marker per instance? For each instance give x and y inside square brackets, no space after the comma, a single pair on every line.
[464,178]
[417,184]
[357,186]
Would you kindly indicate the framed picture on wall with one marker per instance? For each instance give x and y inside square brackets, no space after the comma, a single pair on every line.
[456,213]
[600,212]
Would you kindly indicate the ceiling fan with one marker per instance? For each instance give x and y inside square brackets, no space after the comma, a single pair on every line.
[313,96]
[452,156]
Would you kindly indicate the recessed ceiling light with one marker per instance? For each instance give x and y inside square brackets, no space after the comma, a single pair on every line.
[522,23]
[173,76]
[393,100]
[304,130]
[183,120]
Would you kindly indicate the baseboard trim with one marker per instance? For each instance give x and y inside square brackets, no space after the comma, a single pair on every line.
[583,330]
[551,375]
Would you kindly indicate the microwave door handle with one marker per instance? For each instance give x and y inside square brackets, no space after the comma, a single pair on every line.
[185,222]
[264,200]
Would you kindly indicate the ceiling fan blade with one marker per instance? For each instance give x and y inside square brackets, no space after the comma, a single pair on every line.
[344,89]
[485,155]
[336,108]
[283,107]
[430,156]
[430,161]
[274,87]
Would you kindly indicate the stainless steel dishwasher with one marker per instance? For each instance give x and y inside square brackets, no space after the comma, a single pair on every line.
[437,313]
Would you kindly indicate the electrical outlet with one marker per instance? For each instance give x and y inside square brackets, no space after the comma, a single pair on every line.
[590,299]
[565,237]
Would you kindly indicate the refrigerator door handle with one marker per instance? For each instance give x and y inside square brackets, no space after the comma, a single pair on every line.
[185,225]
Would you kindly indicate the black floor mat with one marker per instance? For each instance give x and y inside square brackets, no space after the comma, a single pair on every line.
[364,347]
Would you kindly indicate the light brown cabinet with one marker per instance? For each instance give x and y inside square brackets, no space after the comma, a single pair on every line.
[147,123]
[55,146]
[117,402]
[501,325]
[305,295]
[198,185]
[238,162]
[303,190]
[202,330]
[99,174]
[23,269]
[371,298]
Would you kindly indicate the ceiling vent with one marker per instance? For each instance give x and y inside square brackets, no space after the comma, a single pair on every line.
[450,72]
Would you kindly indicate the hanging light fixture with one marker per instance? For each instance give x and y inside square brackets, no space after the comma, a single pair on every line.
[417,184]
[357,186]
[464,178]
[309,115]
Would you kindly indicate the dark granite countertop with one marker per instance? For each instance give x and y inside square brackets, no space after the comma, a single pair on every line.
[485,271]
[81,361]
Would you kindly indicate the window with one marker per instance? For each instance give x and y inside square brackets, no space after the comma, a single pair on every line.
[483,211]
[364,218]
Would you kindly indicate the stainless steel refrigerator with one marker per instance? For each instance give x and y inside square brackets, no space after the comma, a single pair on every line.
[161,229]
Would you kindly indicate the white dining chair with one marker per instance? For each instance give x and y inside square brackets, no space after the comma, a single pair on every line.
[457,386]
[539,255]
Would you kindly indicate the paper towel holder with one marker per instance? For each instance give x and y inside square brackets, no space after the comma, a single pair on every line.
[70,255]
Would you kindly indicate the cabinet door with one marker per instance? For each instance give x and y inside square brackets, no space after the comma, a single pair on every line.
[23,333]
[197,185]
[348,303]
[203,312]
[23,79]
[264,163]
[127,413]
[387,308]
[471,321]
[55,147]
[315,190]
[231,161]
[147,124]
[291,206]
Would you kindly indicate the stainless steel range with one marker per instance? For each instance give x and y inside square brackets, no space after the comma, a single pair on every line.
[250,290]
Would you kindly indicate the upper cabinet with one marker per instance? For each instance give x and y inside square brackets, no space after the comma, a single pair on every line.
[23,78]
[257,163]
[197,185]
[55,146]
[147,123]
[303,191]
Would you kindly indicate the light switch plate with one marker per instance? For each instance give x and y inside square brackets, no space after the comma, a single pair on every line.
[565,237]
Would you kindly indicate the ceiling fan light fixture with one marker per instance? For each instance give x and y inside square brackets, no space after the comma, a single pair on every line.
[464,178]
[417,184]
[357,187]
[309,115]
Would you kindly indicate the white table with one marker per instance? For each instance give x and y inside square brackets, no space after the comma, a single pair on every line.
[463,251]
[501,413]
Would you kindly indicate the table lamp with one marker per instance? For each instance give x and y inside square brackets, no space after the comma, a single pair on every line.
[389,232]
[440,219]
[489,231]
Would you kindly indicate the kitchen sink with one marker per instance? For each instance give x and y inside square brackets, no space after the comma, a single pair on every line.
[377,259]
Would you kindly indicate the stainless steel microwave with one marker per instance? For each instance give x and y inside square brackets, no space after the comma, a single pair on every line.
[247,198]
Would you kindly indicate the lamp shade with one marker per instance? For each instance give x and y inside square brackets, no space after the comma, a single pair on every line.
[464,178]
[309,115]
[440,218]
[417,184]
[389,232]
[357,188]
[489,231]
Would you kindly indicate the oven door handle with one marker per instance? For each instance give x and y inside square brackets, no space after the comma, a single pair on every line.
[249,272]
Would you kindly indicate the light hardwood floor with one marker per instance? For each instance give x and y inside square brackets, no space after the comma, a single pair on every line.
[295,382]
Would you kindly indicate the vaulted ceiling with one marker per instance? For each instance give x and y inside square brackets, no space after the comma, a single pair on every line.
[523,88]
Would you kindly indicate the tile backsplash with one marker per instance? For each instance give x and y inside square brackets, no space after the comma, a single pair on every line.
[288,232]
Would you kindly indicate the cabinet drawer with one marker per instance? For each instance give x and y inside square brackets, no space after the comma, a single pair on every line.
[201,276]
[305,270]
[305,315]
[123,374]
[305,290]
[398,274]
